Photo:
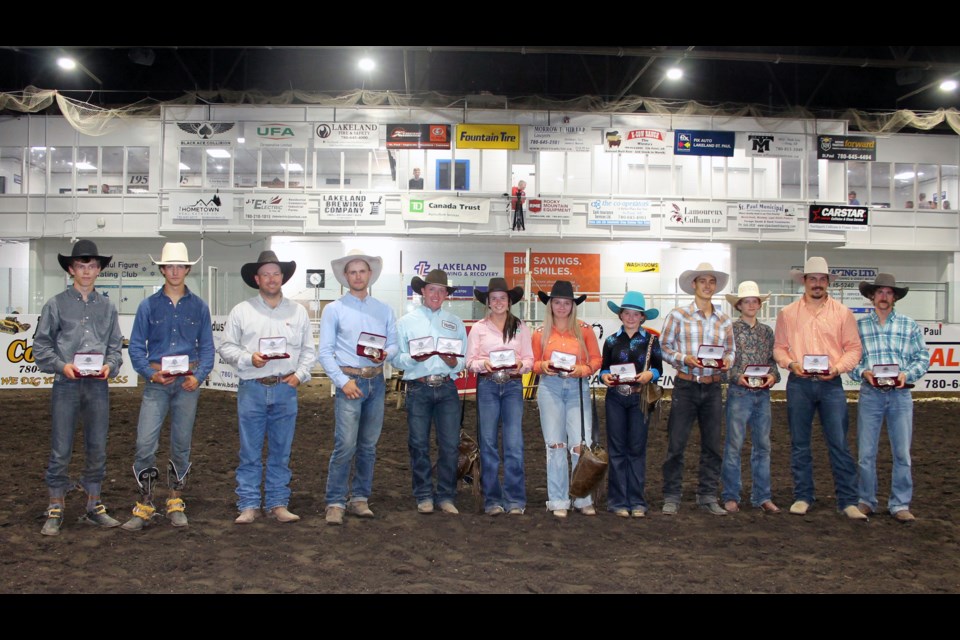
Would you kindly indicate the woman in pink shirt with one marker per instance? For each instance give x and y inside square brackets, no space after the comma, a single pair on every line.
[500,395]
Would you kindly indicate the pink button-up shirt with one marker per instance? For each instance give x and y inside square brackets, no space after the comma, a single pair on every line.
[485,337]
[831,329]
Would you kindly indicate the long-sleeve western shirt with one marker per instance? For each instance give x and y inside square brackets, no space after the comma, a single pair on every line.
[754,346]
[161,328]
[898,341]
[486,337]
[831,329]
[340,326]
[565,342]
[70,325]
[420,323]
[687,328]
[619,348]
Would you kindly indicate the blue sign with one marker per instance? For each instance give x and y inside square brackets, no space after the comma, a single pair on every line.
[461,293]
[688,142]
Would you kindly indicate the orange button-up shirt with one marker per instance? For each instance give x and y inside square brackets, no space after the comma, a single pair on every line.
[831,329]
[566,342]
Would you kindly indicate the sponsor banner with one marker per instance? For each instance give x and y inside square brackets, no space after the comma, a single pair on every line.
[766,215]
[18,370]
[200,206]
[445,209]
[130,267]
[283,135]
[557,138]
[693,214]
[347,135]
[654,142]
[460,293]
[833,218]
[276,206]
[223,377]
[641,267]
[459,268]
[626,212]
[849,277]
[847,148]
[418,136]
[488,136]
[943,343]
[774,145]
[206,134]
[548,209]
[690,142]
[582,269]
[352,206]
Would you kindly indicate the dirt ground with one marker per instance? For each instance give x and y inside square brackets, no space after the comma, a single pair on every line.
[401,551]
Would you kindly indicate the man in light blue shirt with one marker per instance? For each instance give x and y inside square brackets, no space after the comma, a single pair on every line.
[431,393]
[356,370]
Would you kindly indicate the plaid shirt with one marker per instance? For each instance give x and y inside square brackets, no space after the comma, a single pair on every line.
[686,328]
[899,341]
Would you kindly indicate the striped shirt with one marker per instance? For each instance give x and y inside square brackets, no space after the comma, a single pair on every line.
[686,328]
[899,341]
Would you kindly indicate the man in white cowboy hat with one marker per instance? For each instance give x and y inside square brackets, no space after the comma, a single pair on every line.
[172,327]
[269,340]
[748,401]
[78,321]
[357,334]
[696,389]
[816,328]
[889,338]
[431,393]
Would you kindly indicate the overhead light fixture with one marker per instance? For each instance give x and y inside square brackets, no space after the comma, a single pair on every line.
[674,73]
[241,140]
[907,175]
[293,166]
[366,64]
[948,85]
[218,153]
[184,167]
[84,166]
[66,63]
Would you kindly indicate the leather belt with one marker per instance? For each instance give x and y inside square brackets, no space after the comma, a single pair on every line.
[270,381]
[435,380]
[699,379]
[628,389]
[500,377]
[363,372]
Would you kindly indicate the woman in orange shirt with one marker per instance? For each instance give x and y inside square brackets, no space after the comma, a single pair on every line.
[565,352]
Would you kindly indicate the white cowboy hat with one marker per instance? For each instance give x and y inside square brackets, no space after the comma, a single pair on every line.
[747,289]
[815,264]
[374,262]
[703,269]
[175,253]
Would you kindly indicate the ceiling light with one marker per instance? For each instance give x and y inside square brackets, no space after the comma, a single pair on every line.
[366,64]
[293,166]
[674,73]
[241,140]
[66,63]
[948,85]
[218,153]
[184,167]
[84,166]
[907,175]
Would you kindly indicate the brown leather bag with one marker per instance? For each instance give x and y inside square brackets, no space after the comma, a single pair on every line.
[468,461]
[592,465]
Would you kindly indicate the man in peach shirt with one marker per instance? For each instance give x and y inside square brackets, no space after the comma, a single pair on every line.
[818,325]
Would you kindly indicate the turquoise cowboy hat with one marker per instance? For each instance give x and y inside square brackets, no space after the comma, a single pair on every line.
[633,300]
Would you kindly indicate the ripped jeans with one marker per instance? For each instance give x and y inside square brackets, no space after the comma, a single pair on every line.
[559,403]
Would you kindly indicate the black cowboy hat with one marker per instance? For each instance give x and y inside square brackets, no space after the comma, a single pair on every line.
[249,270]
[561,289]
[437,276]
[499,284]
[83,249]
[883,280]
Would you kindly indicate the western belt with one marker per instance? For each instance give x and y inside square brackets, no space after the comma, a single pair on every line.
[698,379]
[364,372]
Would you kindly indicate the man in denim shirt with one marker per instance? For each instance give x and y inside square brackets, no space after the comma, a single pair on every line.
[76,321]
[171,322]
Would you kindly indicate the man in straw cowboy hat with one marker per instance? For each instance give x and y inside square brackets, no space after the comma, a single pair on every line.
[357,334]
[748,401]
[269,339]
[696,389]
[818,328]
[889,338]
[431,393]
[172,327]
[79,322]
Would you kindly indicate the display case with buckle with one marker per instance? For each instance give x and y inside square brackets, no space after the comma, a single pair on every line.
[371,345]
[710,356]
[274,348]
[756,375]
[816,364]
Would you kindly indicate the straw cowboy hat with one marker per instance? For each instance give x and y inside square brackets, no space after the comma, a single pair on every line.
[249,270]
[499,284]
[83,249]
[815,264]
[174,253]
[374,262]
[747,289]
[437,276]
[703,269]
[883,280]
[633,300]
[561,289]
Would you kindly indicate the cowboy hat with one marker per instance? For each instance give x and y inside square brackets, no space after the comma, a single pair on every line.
[374,262]
[883,280]
[83,249]
[249,270]
[815,264]
[174,253]
[436,276]
[498,284]
[633,300]
[747,289]
[561,289]
[703,269]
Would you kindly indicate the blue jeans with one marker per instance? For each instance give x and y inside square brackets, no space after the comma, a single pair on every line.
[806,396]
[496,403]
[627,451]
[269,412]
[746,407]
[158,401]
[559,402]
[704,403]
[358,425]
[896,405]
[441,406]
[88,400]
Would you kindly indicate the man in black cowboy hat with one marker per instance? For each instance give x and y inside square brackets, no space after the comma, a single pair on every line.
[431,393]
[888,338]
[269,340]
[79,322]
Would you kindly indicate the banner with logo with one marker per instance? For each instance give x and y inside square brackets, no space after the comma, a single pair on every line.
[276,206]
[445,209]
[418,136]
[557,138]
[281,135]
[206,134]
[693,214]
[353,206]
[774,145]
[548,209]
[833,218]
[655,142]
[488,136]
[200,206]
[582,269]
[847,148]
[690,142]
[635,213]
[641,267]
[347,135]
[766,215]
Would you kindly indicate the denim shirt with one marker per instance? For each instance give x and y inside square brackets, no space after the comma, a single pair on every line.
[69,325]
[161,328]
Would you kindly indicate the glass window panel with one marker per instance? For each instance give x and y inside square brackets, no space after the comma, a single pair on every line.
[138,169]
[218,167]
[37,169]
[86,165]
[245,167]
[880,181]
[790,179]
[815,167]
[928,186]
[191,166]
[297,168]
[328,168]
[766,178]
[111,170]
[11,169]
[904,185]
[948,184]
[61,170]
[272,172]
[578,173]
[857,183]
[633,173]
[381,176]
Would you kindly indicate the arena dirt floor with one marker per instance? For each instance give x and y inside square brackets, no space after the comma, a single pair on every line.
[401,551]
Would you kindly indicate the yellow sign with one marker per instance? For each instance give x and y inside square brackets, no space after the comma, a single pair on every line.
[641,267]
[488,136]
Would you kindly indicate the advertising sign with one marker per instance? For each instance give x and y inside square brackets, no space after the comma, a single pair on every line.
[766,215]
[775,145]
[690,142]
[655,142]
[347,135]
[418,136]
[692,214]
[834,218]
[557,138]
[281,135]
[488,136]
[636,213]
[582,269]
[445,209]
[352,206]
[200,206]
[276,206]
[847,148]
